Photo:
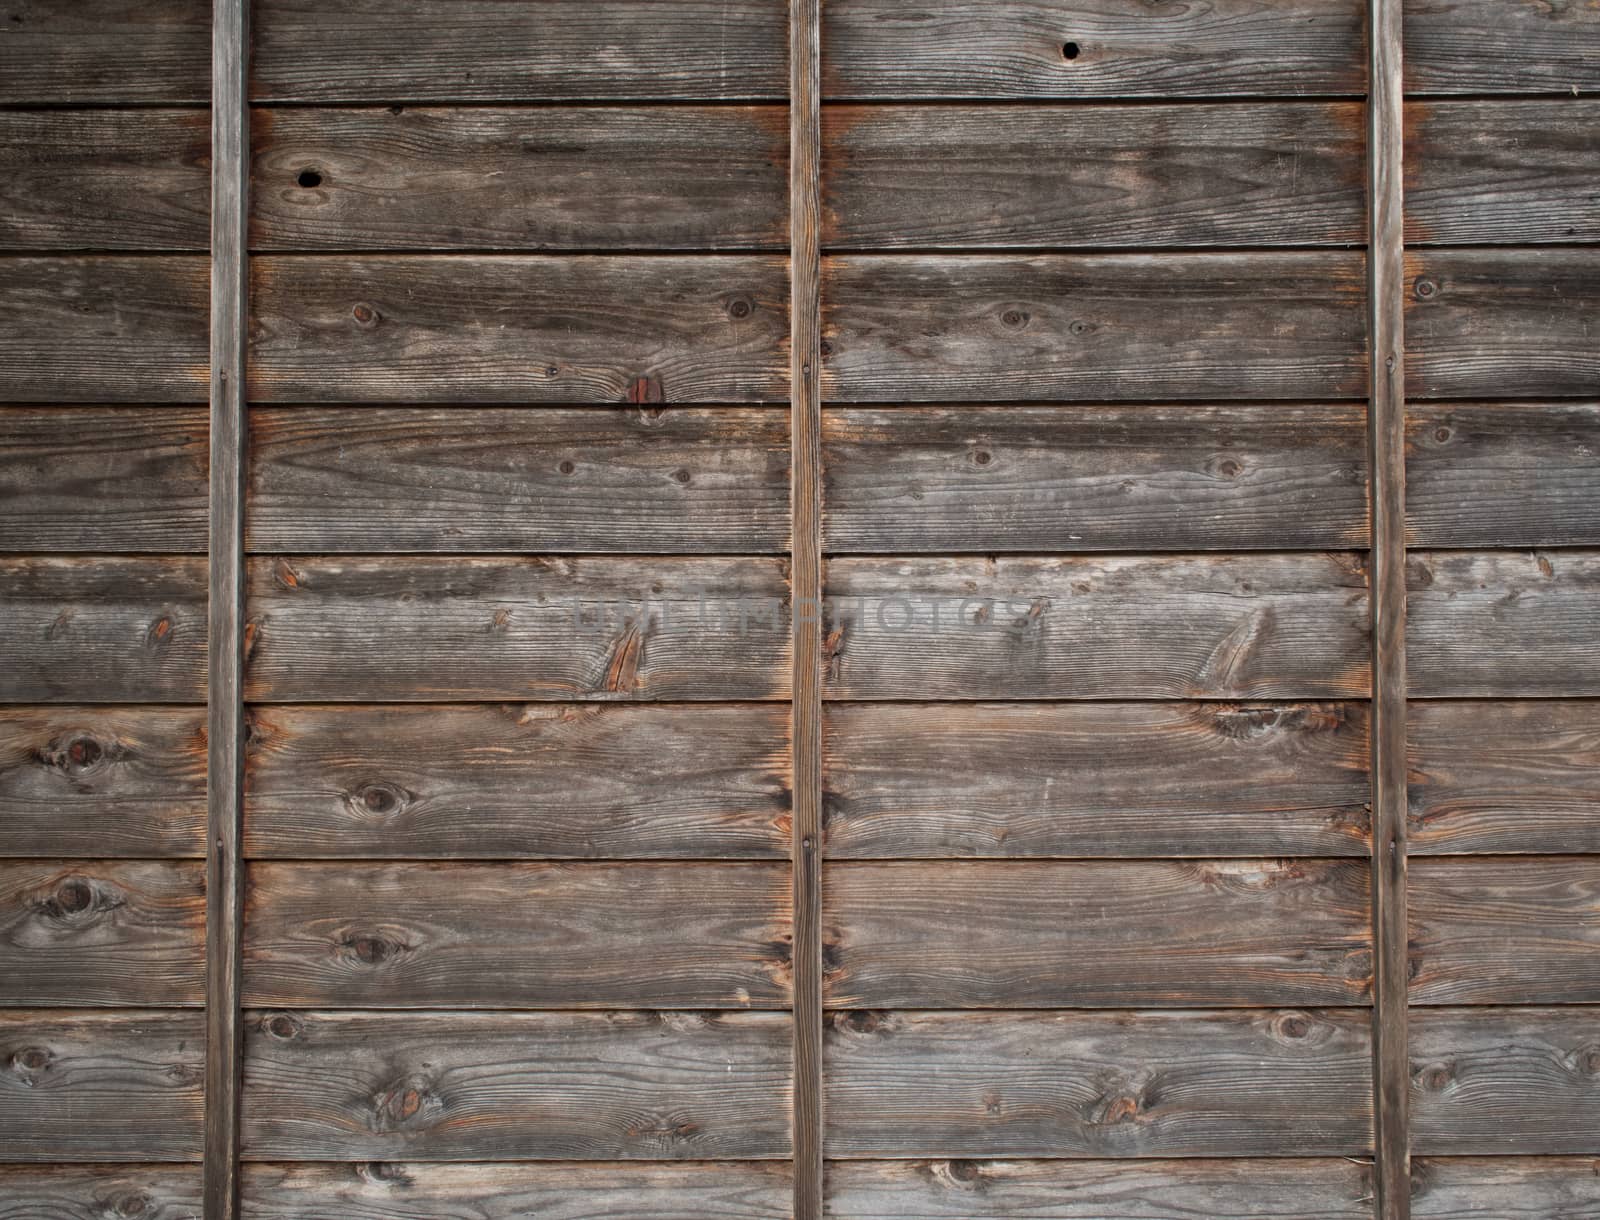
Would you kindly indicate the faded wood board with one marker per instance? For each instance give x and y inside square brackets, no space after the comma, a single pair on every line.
[634,479]
[436,628]
[527,329]
[1159,627]
[98,52]
[1029,175]
[1092,326]
[1100,1084]
[967,478]
[1489,46]
[97,1192]
[524,178]
[516,1086]
[1512,1187]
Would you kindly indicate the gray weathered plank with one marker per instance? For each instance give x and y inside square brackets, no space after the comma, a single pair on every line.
[1505,1188]
[99,1192]
[1490,46]
[94,52]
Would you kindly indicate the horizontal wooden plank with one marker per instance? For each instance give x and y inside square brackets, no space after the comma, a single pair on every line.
[630,479]
[1002,176]
[88,1086]
[82,932]
[540,178]
[519,329]
[1489,46]
[1098,1084]
[483,50]
[103,629]
[1503,624]
[1502,323]
[322,629]
[1108,779]
[1502,171]
[1498,1081]
[1102,326]
[103,479]
[1167,627]
[81,52]
[1504,777]
[96,1192]
[996,479]
[1513,1187]
[1112,48]
[516,1086]
[526,780]
[543,935]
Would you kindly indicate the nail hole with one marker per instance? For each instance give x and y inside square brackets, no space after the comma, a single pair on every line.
[309,178]
[1070,50]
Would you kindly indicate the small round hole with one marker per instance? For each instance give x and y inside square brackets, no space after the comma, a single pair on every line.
[309,178]
[1070,50]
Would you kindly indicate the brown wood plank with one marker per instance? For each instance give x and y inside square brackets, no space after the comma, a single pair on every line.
[1168,627]
[1109,48]
[102,479]
[1105,326]
[1502,323]
[440,328]
[542,178]
[1505,777]
[1100,1084]
[81,52]
[88,1086]
[504,781]
[632,479]
[517,1086]
[1030,175]
[1490,46]
[96,1192]
[1108,779]
[1511,1187]
[1095,478]
[103,629]
[545,935]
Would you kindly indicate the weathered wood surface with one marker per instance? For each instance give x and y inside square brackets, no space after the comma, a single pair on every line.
[103,629]
[96,52]
[102,479]
[633,479]
[1165,627]
[1118,1084]
[1109,779]
[81,932]
[483,50]
[543,935]
[440,628]
[1102,326]
[1503,624]
[1489,46]
[505,781]
[1505,1188]
[1020,175]
[104,329]
[1107,48]
[1101,934]
[1520,776]
[1500,1081]
[1501,323]
[102,781]
[1141,477]
[517,1086]
[518,329]
[99,1192]
[87,1086]
[540,178]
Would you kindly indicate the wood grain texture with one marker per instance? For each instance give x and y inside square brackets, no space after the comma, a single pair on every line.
[102,932]
[1100,1084]
[87,1086]
[103,629]
[482,50]
[543,935]
[1502,323]
[441,328]
[517,1086]
[517,628]
[97,52]
[1487,46]
[1031,175]
[1108,326]
[1518,776]
[102,479]
[1505,1188]
[542,178]
[99,1192]
[1109,779]
[1168,627]
[1104,48]
[103,329]
[997,479]
[633,479]
[505,781]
